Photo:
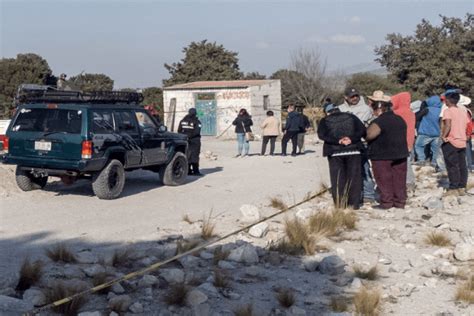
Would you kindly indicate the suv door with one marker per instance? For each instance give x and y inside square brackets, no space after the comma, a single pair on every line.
[131,140]
[153,142]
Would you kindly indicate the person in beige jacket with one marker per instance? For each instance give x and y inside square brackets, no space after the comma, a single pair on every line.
[271,130]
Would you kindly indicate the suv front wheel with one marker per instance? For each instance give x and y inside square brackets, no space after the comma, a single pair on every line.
[176,171]
[27,182]
[108,183]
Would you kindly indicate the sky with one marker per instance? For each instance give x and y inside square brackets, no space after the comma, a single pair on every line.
[131,40]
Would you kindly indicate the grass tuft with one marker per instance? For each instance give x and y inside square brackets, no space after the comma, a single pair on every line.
[338,304]
[122,258]
[332,223]
[437,239]
[278,204]
[60,252]
[187,219]
[370,274]
[286,297]
[367,302]
[465,291]
[60,290]
[30,274]
[208,226]
[284,246]
[299,236]
[245,310]
[221,279]
[176,294]
[220,254]
[185,245]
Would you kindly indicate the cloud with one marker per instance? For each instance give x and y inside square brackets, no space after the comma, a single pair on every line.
[355,19]
[262,45]
[347,39]
[317,39]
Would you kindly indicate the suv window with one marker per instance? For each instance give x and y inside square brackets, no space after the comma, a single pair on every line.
[49,121]
[145,121]
[126,122]
[103,122]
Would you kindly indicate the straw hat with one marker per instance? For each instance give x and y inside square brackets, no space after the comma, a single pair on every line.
[378,95]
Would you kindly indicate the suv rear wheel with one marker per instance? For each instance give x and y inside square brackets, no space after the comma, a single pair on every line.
[108,183]
[176,171]
[27,182]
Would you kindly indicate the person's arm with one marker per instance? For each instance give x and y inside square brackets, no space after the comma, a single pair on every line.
[422,112]
[360,130]
[446,128]
[264,123]
[373,131]
[235,121]
[325,136]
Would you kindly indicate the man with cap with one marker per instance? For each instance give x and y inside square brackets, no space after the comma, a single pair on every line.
[342,133]
[191,126]
[355,104]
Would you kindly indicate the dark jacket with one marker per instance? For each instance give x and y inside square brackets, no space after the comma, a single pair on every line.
[190,126]
[242,124]
[391,144]
[305,124]
[338,125]
[294,122]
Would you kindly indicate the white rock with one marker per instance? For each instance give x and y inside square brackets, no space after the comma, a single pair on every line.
[311,263]
[304,214]
[13,306]
[189,262]
[147,280]
[444,253]
[295,310]
[86,257]
[385,261]
[431,282]
[245,254]
[95,313]
[172,275]
[122,302]
[94,270]
[113,314]
[35,296]
[206,255]
[117,288]
[332,265]
[195,297]
[258,231]
[136,308]
[209,288]
[250,213]
[356,284]
[225,265]
[464,251]
[427,257]
[447,269]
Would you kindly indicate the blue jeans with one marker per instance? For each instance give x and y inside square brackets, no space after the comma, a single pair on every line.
[242,143]
[422,141]
[368,185]
[410,174]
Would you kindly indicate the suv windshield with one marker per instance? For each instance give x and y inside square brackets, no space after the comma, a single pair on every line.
[49,121]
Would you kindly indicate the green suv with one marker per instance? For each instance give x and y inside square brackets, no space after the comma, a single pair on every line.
[97,136]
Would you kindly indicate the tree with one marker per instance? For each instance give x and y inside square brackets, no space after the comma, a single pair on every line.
[366,83]
[204,61]
[154,96]
[434,57]
[91,82]
[288,93]
[25,68]
[255,75]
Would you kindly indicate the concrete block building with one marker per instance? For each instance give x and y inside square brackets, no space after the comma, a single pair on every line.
[218,102]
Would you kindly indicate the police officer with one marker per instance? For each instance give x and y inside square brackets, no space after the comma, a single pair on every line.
[191,126]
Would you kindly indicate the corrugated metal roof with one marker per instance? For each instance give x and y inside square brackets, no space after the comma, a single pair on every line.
[219,84]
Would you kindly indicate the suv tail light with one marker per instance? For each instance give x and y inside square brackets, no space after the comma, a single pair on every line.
[5,144]
[86,152]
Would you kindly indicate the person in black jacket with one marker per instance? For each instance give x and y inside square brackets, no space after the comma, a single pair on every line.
[294,124]
[305,126]
[191,126]
[242,123]
[342,133]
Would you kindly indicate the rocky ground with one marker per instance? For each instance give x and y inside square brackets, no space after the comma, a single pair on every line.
[413,276]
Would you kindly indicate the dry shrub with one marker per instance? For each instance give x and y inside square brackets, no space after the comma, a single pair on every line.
[208,226]
[367,302]
[122,257]
[30,273]
[437,239]
[339,304]
[465,291]
[60,290]
[370,274]
[332,223]
[278,204]
[286,297]
[187,219]
[283,246]
[299,236]
[186,245]
[101,278]
[60,252]
[221,279]
[220,254]
[176,294]
[245,310]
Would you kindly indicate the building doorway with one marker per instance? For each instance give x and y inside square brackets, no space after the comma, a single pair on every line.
[206,108]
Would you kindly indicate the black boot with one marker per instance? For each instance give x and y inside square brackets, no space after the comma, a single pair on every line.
[196,170]
[190,169]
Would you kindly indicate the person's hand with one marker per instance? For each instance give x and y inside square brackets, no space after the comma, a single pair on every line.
[445,139]
[345,141]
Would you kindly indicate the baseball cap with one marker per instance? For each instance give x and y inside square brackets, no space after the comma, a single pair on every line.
[350,92]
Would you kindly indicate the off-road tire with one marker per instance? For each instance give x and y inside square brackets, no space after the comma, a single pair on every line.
[27,182]
[176,171]
[108,183]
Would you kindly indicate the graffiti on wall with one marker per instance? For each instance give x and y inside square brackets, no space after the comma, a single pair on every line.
[228,95]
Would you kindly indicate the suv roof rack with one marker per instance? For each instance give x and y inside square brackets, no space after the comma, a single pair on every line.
[31,93]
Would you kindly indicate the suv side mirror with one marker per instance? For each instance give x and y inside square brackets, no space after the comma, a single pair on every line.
[162,129]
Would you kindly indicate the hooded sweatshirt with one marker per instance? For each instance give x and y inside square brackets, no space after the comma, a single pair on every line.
[361,110]
[401,107]
[429,124]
